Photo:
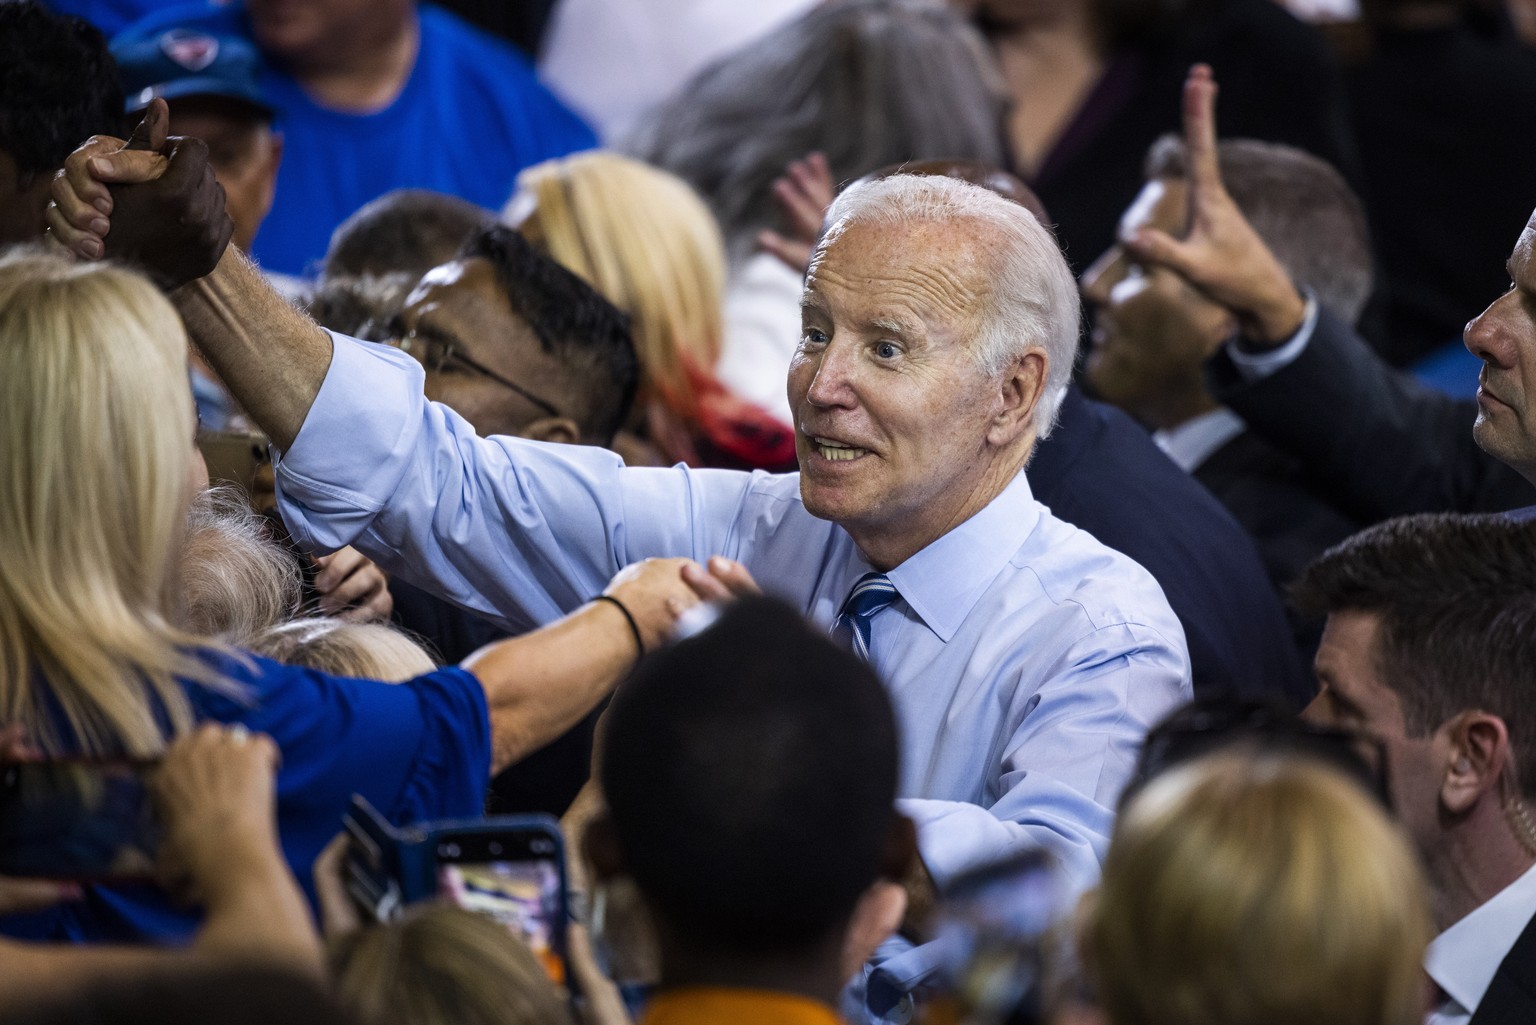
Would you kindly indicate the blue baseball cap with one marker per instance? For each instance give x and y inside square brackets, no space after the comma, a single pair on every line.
[186,62]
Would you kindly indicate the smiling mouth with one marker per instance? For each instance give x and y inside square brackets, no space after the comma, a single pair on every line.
[836,451]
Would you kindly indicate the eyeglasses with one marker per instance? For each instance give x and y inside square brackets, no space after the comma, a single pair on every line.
[437,354]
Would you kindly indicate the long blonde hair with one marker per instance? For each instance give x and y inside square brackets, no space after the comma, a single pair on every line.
[645,240]
[1254,889]
[97,422]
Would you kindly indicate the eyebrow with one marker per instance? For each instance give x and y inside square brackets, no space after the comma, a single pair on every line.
[895,325]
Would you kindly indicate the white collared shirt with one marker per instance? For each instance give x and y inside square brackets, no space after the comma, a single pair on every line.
[1192,442]
[1463,959]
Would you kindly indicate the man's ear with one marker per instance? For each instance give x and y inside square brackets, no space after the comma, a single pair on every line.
[1019,393]
[1478,754]
[600,845]
[559,429]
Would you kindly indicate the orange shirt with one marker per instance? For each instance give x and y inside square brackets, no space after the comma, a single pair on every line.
[711,1005]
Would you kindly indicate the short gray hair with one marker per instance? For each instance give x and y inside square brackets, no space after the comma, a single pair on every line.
[1302,209]
[869,83]
[1032,298]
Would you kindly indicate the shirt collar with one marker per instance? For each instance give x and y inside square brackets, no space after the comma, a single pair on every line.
[709,1005]
[1464,959]
[943,582]
[1193,441]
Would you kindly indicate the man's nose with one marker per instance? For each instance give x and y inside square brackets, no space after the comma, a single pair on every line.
[831,384]
[1487,336]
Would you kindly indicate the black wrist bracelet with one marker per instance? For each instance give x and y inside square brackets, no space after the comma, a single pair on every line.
[634,627]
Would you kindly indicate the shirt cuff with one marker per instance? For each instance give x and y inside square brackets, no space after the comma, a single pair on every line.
[1255,366]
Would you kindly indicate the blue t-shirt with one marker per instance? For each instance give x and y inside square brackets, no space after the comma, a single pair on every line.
[471,116]
[417,750]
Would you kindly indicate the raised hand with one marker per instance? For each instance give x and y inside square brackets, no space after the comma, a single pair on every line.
[214,791]
[1221,255]
[152,201]
[803,194]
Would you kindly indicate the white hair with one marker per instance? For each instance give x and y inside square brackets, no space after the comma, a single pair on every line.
[1032,294]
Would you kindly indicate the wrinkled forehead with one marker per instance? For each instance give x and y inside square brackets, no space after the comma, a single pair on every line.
[949,261]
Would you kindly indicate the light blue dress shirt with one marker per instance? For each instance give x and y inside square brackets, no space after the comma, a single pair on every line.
[1025,659]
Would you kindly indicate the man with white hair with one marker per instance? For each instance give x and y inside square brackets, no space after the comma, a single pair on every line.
[1025,659]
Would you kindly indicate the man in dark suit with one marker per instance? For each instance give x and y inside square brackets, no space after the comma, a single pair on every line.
[1379,443]
[1429,649]
[1153,333]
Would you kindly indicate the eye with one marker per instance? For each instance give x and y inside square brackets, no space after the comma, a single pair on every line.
[812,337]
[887,349]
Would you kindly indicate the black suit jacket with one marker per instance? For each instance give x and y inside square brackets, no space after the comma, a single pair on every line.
[1379,442]
[1101,471]
[1511,997]
[1282,509]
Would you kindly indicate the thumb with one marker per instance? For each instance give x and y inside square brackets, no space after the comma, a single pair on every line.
[151,132]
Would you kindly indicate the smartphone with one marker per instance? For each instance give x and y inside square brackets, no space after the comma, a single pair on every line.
[994,931]
[78,819]
[233,457]
[516,876]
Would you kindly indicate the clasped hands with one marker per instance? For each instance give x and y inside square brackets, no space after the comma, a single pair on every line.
[152,201]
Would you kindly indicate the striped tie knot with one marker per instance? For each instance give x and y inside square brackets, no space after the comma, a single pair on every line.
[871,593]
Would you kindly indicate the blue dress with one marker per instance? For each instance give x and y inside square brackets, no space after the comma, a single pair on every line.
[417,750]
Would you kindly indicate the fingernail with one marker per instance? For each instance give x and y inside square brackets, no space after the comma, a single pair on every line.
[100,166]
[718,564]
[103,204]
[71,891]
[91,248]
[100,226]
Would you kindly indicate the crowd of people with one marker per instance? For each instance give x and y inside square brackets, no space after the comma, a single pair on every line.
[903,519]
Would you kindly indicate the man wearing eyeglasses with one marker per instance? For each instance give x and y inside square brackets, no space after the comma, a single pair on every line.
[518,346]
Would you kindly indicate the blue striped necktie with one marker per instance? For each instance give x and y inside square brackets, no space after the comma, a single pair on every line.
[872,592]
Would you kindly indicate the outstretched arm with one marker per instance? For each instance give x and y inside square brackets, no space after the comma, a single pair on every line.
[541,684]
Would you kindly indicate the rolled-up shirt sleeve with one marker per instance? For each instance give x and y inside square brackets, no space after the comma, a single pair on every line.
[517,531]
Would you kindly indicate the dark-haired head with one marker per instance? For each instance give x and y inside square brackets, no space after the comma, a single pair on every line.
[58,87]
[583,332]
[1453,602]
[750,773]
[407,231]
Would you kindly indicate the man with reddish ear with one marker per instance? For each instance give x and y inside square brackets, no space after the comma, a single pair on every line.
[1429,649]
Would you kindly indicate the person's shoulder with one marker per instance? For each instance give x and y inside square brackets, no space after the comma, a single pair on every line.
[222,20]
[447,33]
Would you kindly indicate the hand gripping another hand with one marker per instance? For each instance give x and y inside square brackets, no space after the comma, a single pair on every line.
[152,202]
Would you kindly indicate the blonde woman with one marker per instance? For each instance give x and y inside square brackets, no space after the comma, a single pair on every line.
[1250,889]
[643,239]
[96,474]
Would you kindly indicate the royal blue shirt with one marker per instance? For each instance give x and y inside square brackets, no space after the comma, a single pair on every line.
[470,117]
[417,750]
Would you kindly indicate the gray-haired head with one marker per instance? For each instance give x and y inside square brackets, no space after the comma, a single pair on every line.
[867,82]
[1301,207]
[1032,296]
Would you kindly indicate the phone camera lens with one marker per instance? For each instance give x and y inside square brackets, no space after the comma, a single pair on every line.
[495,848]
[449,850]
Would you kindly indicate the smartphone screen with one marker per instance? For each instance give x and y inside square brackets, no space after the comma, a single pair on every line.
[517,880]
[89,821]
